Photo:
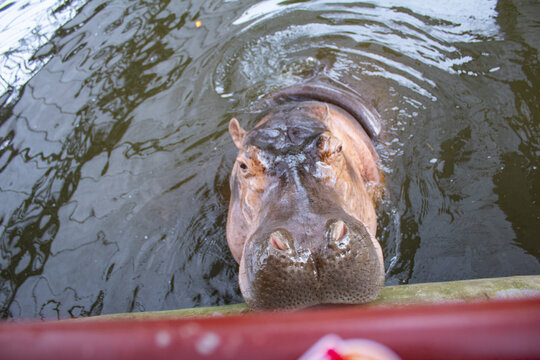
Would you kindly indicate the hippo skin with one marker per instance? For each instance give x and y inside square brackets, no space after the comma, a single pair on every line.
[304,187]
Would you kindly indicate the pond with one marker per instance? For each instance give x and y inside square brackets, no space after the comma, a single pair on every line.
[115,156]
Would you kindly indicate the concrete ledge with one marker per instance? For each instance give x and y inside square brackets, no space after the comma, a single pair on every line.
[427,293]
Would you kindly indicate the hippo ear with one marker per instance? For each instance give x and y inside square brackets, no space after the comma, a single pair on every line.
[237,133]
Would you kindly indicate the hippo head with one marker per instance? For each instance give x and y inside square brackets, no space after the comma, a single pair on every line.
[301,219]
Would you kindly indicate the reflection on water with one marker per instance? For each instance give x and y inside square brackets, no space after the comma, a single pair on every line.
[26,26]
[114,159]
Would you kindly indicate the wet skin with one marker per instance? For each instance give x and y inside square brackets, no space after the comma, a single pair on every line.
[302,219]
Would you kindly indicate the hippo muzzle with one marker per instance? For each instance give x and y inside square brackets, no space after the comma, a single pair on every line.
[276,272]
[302,218]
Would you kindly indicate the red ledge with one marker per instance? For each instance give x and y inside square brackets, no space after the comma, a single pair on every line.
[507,329]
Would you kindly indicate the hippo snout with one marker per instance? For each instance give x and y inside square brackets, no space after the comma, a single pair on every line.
[280,270]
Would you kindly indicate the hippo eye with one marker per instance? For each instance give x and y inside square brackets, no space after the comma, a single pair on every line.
[339,148]
[242,165]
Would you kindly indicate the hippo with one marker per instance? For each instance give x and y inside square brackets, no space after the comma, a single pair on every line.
[304,187]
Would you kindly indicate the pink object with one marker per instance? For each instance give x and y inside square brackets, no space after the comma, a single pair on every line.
[332,347]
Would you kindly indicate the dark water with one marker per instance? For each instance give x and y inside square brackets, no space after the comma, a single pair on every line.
[114,156]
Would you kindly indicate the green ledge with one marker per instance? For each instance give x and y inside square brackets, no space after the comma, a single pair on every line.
[428,293]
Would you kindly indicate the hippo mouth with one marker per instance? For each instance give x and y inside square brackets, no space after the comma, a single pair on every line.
[280,274]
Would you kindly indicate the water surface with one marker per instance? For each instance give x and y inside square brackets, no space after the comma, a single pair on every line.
[114,156]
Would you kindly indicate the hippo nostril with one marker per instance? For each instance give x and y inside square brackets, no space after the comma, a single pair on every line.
[338,231]
[279,240]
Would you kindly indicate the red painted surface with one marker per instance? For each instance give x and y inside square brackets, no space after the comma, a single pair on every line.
[499,329]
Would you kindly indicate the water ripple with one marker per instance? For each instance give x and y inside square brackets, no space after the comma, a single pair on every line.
[22,35]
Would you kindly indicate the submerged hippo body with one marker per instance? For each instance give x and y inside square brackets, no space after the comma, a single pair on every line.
[302,219]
